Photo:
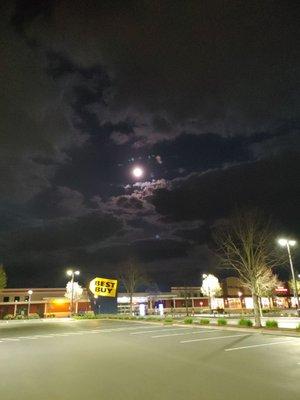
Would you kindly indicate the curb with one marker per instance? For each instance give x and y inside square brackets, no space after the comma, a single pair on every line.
[236,328]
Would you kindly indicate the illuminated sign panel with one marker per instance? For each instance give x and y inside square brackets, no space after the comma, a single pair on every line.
[281,289]
[104,287]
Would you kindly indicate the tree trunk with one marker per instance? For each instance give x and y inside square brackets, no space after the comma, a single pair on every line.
[130,304]
[257,320]
[260,308]
[210,303]
[186,307]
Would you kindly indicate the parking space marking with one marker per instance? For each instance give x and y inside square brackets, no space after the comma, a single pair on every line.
[157,330]
[213,338]
[10,339]
[47,336]
[29,337]
[261,345]
[128,329]
[182,333]
[43,336]
[60,334]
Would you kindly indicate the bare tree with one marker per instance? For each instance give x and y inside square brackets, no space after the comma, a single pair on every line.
[292,285]
[186,293]
[266,284]
[246,245]
[131,277]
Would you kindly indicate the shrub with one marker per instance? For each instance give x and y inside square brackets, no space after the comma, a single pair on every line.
[33,316]
[204,321]
[272,324]
[168,320]
[188,320]
[151,318]
[154,318]
[245,322]
[85,316]
[222,321]
[8,316]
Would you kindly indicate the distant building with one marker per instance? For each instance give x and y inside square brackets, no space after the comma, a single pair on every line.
[232,287]
[48,302]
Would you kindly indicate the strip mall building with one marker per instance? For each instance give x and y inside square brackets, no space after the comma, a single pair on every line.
[48,302]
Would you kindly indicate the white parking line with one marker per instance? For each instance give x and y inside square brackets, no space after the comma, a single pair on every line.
[213,338]
[10,339]
[127,329]
[110,330]
[183,333]
[29,337]
[23,337]
[60,334]
[260,345]
[157,330]
[46,336]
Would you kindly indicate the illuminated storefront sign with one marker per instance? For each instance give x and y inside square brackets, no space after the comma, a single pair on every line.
[135,300]
[104,287]
[281,289]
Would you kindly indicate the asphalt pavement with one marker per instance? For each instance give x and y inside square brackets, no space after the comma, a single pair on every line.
[114,360]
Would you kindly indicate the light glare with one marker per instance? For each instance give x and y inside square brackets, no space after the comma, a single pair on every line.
[137,172]
[282,242]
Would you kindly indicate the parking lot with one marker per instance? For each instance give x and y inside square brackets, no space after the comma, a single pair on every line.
[127,360]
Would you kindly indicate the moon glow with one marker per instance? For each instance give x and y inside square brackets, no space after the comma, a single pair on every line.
[137,172]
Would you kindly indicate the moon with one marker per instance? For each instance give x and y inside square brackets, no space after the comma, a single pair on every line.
[137,172]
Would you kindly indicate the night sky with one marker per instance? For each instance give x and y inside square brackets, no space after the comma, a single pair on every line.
[202,95]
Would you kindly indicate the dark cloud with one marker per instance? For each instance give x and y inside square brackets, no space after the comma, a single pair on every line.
[59,202]
[35,125]
[129,202]
[179,67]
[199,235]
[142,251]
[64,234]
[199,90]
[270,184]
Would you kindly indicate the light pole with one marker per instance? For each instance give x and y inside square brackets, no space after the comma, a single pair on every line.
[72,274]
[287,243]
[30,292]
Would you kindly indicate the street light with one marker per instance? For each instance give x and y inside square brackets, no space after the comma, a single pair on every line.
[30,292]
[72,274]
[287,243]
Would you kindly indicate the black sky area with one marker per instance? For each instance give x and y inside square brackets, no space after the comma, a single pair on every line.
[203,95]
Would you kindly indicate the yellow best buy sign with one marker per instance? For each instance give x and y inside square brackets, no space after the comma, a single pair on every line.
[104,287]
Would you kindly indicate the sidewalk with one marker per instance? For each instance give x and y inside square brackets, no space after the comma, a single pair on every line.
[283,322]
